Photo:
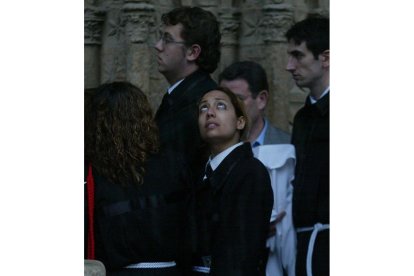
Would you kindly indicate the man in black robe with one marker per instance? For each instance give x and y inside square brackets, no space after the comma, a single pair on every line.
[308,62]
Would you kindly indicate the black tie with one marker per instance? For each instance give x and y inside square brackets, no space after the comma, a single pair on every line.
[208,171]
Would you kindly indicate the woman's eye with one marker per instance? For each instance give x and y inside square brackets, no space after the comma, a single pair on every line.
[221,106]
[203,108]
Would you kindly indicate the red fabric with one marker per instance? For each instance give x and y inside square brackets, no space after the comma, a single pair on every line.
[90,186]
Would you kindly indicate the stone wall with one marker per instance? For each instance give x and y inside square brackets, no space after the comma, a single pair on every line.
[119,39]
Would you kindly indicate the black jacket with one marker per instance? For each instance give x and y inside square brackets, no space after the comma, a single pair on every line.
[177,118]
[142,223]
[310,136]
[232,212]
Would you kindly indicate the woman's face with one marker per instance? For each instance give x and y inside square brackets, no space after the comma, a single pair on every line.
[217,120]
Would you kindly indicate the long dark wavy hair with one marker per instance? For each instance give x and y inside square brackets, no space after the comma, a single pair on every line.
[120,132]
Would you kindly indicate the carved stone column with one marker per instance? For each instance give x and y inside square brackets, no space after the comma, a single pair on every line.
[213,7]
[139,24]
[251,42]
[229,26]
[93,22]
[277,19]
[209,5]
[304,8]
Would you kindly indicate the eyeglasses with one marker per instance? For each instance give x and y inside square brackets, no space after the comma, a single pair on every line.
[166,39]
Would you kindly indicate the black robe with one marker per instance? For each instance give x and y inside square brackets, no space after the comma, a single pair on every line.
[310,136]
[142,223]
[177,118]
[232,212]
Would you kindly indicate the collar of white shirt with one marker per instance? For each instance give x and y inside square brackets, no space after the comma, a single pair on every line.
[215,162]
[172,87]
[313,100]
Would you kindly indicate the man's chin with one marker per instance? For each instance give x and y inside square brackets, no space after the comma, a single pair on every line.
[164,71]
[300,84]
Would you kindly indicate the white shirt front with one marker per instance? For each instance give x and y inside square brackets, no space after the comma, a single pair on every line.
[172,87]
[313,100]
[216,160]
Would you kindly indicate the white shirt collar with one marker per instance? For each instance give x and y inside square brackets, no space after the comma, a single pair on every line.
[215,162]
[172,87]
[313,100]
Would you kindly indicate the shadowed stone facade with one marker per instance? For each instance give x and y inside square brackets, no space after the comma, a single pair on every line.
[94,268]
[119,36]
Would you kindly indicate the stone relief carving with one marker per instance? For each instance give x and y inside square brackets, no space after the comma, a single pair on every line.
[93,21]
[253,26]
[113,67]
[276,21]
[229,26]
[116,26]
[252,3]
[205,3]
[275,1]
[139,18]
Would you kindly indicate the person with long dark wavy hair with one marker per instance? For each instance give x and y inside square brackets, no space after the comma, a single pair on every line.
[135,196]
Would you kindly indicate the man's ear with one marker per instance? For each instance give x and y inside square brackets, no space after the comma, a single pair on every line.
[262,99]
[193,52]
[325,58]
[241,123]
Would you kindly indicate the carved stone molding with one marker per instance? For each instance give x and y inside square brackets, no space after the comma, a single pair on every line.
[93,23]
[277,19]
[270,2]
[252,26]
[229,26]
[205,4]
[139,18]
[319,11]
[252,3]
[116,26]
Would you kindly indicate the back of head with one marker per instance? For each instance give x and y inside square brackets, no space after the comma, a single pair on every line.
[250,71]
[314,31]
[199,27]
[119,132]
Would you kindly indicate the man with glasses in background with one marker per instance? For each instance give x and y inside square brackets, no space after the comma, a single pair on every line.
[187,53]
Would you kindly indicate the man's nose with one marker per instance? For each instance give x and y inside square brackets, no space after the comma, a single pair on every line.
[158,45]
[290,66]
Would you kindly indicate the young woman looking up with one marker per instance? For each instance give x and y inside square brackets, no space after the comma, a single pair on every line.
[233,200]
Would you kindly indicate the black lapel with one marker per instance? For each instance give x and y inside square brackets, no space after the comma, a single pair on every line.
[321,106]
[183,90]
[184,94]
[223,171]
